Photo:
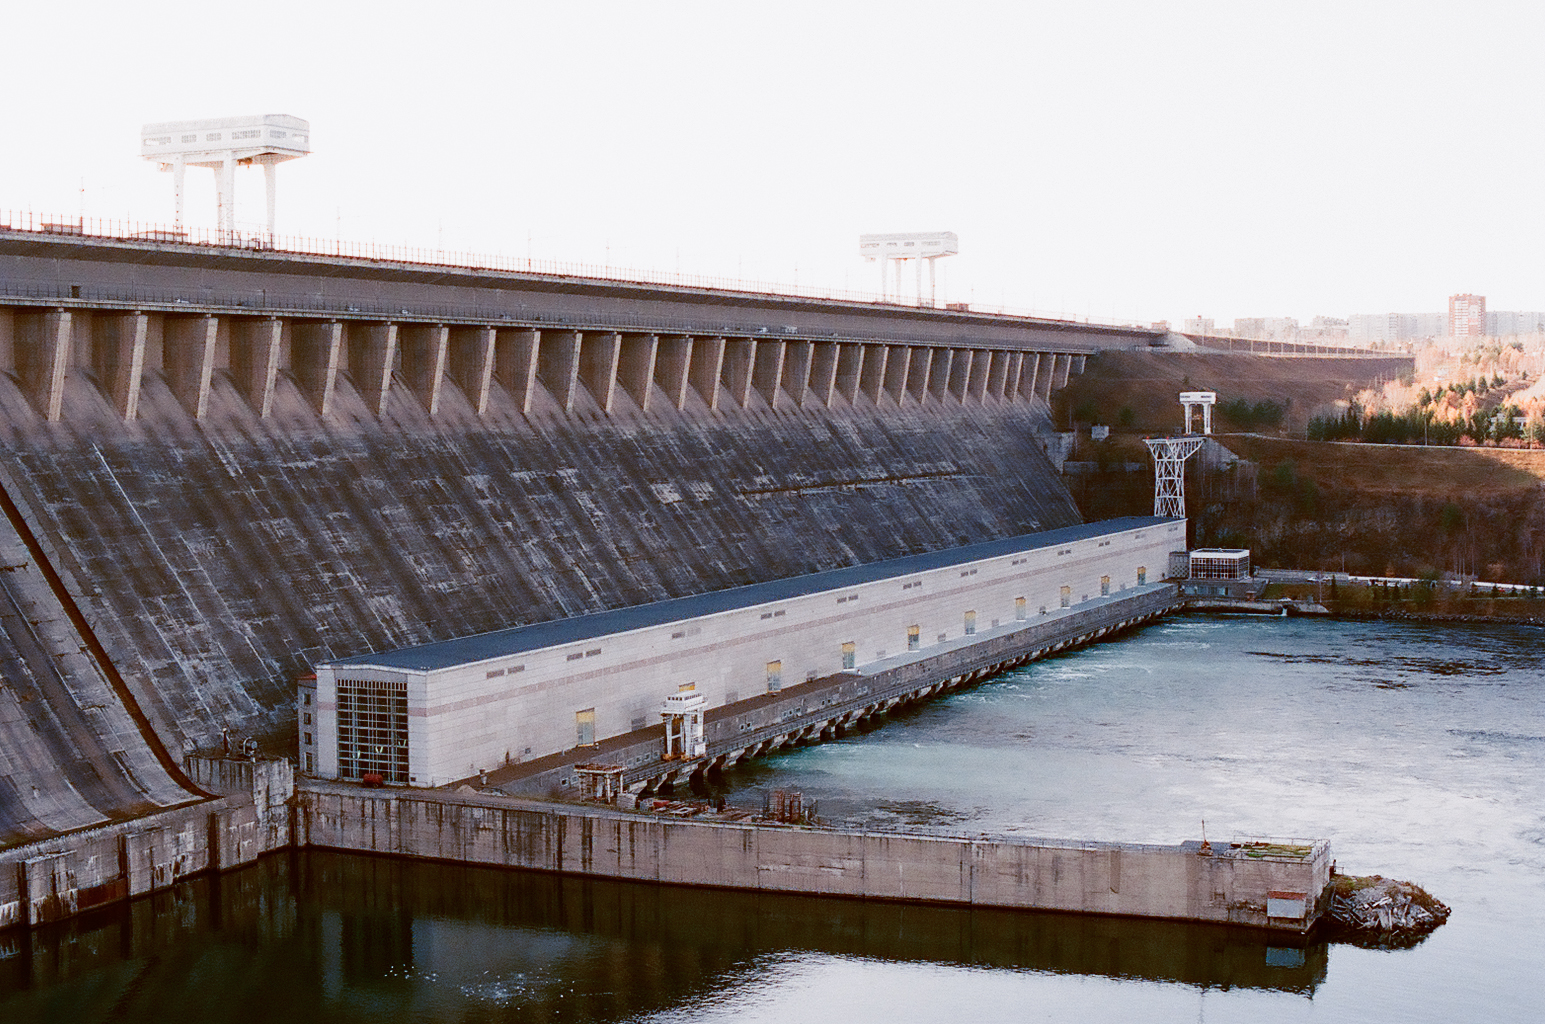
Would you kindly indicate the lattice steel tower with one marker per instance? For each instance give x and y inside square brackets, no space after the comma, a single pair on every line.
[1170,455]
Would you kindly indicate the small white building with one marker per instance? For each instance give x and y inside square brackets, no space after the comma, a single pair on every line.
[1218,572]
[436,713]
[1220,564]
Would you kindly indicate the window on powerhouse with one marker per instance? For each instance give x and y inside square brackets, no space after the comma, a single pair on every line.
[372,729]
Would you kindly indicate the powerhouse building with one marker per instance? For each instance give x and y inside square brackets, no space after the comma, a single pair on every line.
[435,713]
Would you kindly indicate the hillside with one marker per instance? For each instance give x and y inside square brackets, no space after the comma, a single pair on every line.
[1137,391]
[1382,509]
[1371,509]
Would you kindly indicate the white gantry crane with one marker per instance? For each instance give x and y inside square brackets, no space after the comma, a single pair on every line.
[223,143]
[898,248]
[1170,455]
[683,714]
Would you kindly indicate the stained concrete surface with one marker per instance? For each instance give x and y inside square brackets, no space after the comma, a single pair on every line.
[217,559]
[72,755]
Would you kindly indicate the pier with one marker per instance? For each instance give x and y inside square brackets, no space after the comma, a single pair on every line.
[1272,886]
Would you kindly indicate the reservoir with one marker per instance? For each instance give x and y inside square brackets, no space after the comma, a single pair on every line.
[1419,751]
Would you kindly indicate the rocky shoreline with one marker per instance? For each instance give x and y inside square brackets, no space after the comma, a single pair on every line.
[1401,615]
[1333,609]
[1381,913]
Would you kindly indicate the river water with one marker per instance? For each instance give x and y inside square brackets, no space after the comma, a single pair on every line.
[1418,751]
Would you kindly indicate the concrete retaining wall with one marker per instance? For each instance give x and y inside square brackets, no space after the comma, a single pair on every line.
[63,876]
[1183,882]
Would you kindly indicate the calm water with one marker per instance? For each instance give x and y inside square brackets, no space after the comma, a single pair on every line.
[1417,751]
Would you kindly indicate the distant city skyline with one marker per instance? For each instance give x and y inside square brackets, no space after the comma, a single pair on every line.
[1110,160]
[1466,317]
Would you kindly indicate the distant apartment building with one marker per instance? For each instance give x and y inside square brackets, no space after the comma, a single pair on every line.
[1324,328]
[1250,327]
[1367,327]
[1467,316]
[1504,324]
[1266,328]
[1199,325]
[1281,328]
[1372,326]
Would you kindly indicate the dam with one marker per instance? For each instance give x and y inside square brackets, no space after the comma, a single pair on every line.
[221,468]
[221,474]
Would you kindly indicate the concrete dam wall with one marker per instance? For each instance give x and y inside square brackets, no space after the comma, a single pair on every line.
[233,465]
[47,267]
[75,749]
[218,568]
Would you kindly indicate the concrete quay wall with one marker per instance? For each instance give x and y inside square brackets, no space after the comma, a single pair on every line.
[69,874]
[1184,882]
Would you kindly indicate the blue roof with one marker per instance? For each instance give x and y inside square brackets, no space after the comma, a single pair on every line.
[504,642]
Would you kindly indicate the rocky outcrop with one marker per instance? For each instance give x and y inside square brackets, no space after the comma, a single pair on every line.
[1381,913]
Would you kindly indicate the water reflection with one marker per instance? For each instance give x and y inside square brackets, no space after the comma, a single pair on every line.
[324,936]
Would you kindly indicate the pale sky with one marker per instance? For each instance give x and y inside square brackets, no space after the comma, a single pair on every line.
[1139,160]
